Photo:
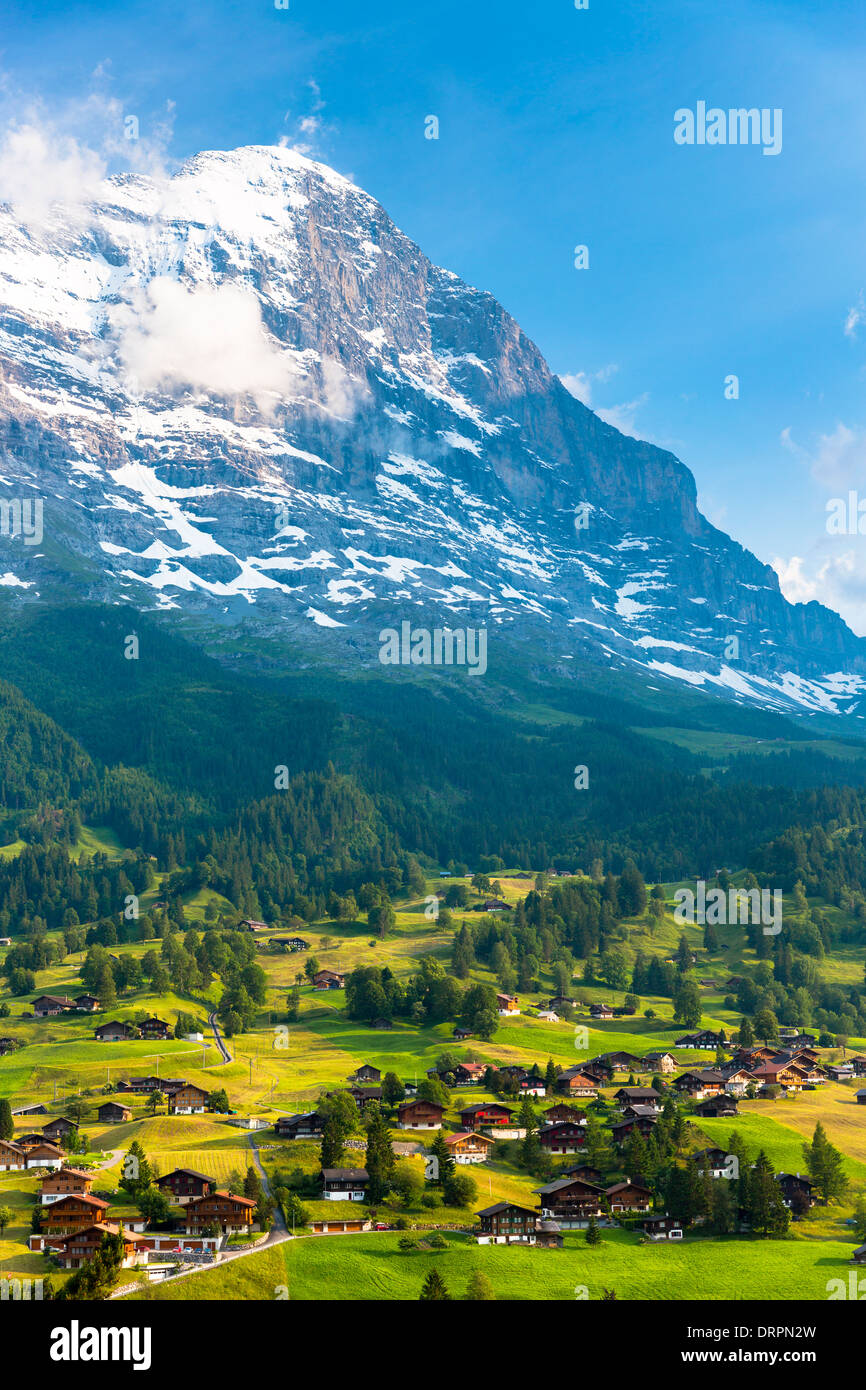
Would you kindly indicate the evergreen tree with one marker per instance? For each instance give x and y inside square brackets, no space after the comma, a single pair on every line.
[433,1289]
[380,1160]
[824,1166]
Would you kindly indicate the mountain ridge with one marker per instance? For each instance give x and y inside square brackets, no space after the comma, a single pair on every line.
[243,388]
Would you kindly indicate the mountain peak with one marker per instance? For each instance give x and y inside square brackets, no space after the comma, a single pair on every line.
[244,387]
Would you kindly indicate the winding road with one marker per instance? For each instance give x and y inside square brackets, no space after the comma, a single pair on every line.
[218,1039]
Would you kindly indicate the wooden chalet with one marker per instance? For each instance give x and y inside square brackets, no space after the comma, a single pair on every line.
[50,1005]
[628,1196]
[584,1171]
[576,1083]
[507,1004]
[344,1184]
[60,1128]
[64,1182]
[183,1185]
[797,1191]
[368,1075]
[45,1155]
[563,1138]
[619,1062]
[469,1074]
[87,1004]
[230,1214]
[663,1227]
[560,1114]
[113,1113]
[487,1114]
[842,1071]
[115,1031]
[717,1107]
[532,1085]
[329,979]
[548,1235]
[79,1246]
[467,1146]
[73,1212]
[309,1125]
[156,1028]
[662,1062]
[507,1223]
[571,1201]
[714,1161]
[704,1040]
[188,1100]
[420,1114]
[603,1011]
[621,1129]
[700,1084]
[638,1095]
[790,1075]
[13,1158]
[365,1095]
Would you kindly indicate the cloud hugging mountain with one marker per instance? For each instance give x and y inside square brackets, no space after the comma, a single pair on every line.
[242,385]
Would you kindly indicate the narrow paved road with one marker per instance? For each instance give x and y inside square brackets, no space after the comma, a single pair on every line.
[279,1228]
[224,1052]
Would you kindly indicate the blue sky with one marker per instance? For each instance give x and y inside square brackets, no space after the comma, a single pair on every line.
[556,129]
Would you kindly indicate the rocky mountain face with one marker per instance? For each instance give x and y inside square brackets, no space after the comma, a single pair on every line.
[241,390]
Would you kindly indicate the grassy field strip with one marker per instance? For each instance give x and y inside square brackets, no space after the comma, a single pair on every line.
[353,1268]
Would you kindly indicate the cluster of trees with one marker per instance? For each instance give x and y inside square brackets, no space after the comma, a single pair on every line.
[42,887]
[431,996]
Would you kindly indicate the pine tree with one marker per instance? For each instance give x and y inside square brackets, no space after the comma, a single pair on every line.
[824,1166]
[593,1234]
[331,1152]
[380,1160]
[433,1289]
[768,1214]
[7,1124]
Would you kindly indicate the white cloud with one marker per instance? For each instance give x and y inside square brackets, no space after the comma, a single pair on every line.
[211,339]
[837,460]
[40,168]
[60,157]
[622,416]
[855,316]
[834,573]
[582,386]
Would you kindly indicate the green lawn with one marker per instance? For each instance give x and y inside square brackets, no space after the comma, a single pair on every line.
[371,1267]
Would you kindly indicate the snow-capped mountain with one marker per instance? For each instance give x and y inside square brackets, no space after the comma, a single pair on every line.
[243,385]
